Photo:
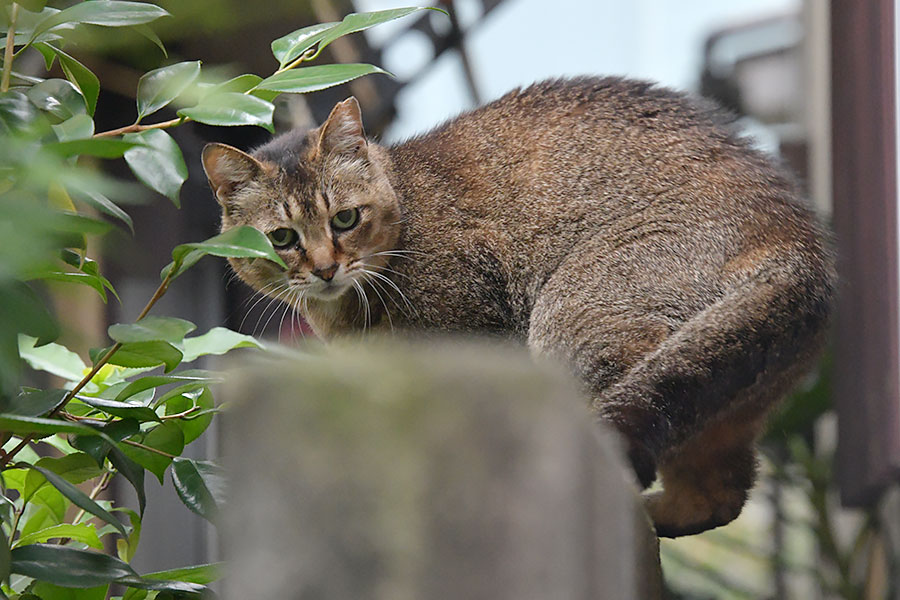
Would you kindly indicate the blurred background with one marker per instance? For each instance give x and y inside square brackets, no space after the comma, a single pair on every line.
[811,81]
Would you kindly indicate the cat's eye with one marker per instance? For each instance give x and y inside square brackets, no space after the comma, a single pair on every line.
[283,237]
[345,219]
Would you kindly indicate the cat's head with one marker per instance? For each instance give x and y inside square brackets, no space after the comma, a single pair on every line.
[323,199]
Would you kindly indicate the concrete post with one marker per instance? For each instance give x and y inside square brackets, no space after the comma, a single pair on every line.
[427,472]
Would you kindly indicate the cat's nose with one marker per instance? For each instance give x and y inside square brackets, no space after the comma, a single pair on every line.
[326,273]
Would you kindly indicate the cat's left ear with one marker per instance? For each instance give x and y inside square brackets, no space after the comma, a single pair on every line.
[343,134]
[228,170]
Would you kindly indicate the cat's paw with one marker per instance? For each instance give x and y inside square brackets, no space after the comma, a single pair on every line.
[681,511]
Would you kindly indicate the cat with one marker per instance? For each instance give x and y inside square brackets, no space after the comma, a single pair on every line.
[620,227]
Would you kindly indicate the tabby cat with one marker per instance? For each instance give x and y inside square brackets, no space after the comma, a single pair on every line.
[618,226]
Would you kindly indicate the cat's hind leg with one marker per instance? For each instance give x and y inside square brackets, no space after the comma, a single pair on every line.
[738,353]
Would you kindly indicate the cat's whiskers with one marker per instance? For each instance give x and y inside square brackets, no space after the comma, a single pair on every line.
[274,300]
[230,276]
[388,269]
[376,286]
[287,306]
[365,301]
[359,306]
[263,294]
[395,254]
[295,313]
[383,303]
[389,282]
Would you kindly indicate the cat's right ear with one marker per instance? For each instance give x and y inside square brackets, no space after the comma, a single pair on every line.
[228,170]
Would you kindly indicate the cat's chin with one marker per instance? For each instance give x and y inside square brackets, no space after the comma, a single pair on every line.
[328,293]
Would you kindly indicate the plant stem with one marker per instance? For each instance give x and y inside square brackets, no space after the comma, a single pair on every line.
[10,44]
[305,56]
[101,485]
[180,415]
[15,525]
[149,448]
[160,291]
[135,127]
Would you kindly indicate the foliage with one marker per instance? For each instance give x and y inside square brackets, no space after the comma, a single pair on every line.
[130,408]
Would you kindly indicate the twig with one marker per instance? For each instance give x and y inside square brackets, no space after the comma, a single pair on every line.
[136,127]
[15,525]
[87,378]
[149,448]
[180,415]
[101,485]
[10,45]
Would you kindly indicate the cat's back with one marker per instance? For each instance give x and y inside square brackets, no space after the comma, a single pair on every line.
[593,142]
[574,157]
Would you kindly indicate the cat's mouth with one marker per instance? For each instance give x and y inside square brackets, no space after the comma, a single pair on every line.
[328,290]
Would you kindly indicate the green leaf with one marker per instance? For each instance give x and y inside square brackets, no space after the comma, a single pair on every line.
[355,22]
[181,588]
[231,108]
[79,498]
[108,13]
[75,468]
[217,340]
[240,84]
[37,425]
[148,33]
[5,557]
[147,354]
[132,471]
[105,205]
[68,567]
[99,147]
[51,507]
[136,594]
[311,79]
[47,591]
[200,485]
[166,437]
[287,48]
[53,358]
[32,404]
[157,163]
[57,97]
[202,574]
[98,447]
[124,410]
[85,533]
[150,329]
[78,224]
[77,278]
[159,87]
[127,547]
[33,6]
[82,77]
[78,127]
[192,428]
[238,242]
[174,393]
[152,381]
[17,112]
[48,52]
[27,311]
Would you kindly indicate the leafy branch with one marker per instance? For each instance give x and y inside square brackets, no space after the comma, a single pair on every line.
[118,415]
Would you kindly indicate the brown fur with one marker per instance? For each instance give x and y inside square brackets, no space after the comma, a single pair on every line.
[617,226]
